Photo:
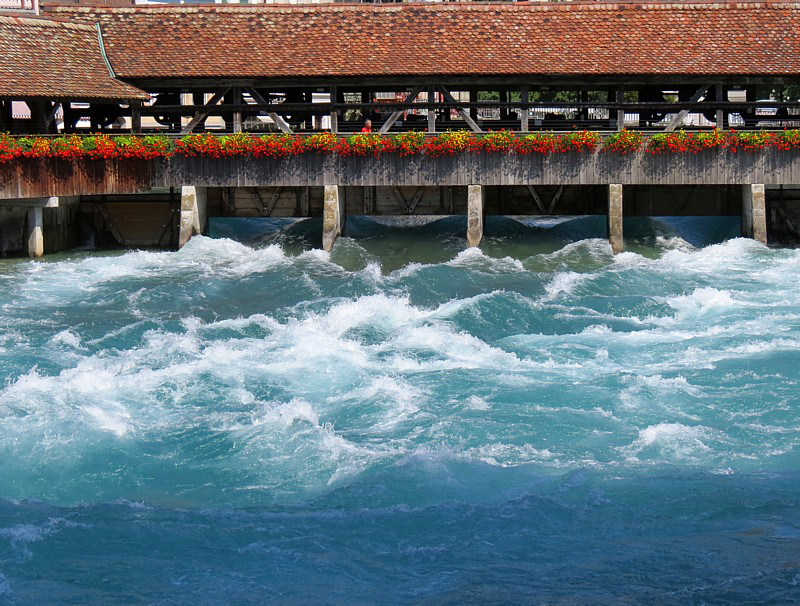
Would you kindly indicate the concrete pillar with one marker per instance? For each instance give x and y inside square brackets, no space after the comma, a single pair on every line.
[615,217]
[754,212]
[35,232]
[194,214]
[333,216]
[475,195]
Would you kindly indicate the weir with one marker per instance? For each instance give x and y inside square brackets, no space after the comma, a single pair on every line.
[600,82]
[165,201]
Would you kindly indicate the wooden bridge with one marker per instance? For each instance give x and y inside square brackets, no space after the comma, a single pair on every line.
[651,66]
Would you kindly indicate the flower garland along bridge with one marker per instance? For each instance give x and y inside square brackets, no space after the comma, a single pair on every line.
[171,75]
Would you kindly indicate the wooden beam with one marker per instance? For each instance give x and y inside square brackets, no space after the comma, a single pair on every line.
[412,206]
[620,110]
[266,209]
[237,115]
[201,115]
[396,114]
[334,112]
[369,199]
[537,199]
[678,118]
[256,195]
[273,201]
[464,115]
[720,117]
[555,199]
[398,195]
[431,110]
[136,116]
[167,224]
[278,120]
[524,113]
[52,114]
[113,228]
[304,201]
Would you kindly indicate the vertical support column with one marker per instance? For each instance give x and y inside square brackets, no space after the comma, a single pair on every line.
[333,216]
[431,111]
[473,98]
[620,111]
[35,232]
[5,115]
[334,112]
[39,110]
[237,115]
[720,117]
[304,201]
[754,212]
[475,196]
[136,116]
[615,217]
[524,113]
[194,214]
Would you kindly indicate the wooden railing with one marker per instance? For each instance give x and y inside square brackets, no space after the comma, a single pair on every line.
[43,177]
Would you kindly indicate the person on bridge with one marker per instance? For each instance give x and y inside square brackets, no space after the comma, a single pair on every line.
[367,126]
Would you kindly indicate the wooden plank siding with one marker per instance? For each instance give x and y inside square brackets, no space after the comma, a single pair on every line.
[32,178]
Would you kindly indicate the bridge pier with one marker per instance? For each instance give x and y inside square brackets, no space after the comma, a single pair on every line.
[194,213]
[333,216]
[35,232]
[754,212]
[615,218]
[475,203]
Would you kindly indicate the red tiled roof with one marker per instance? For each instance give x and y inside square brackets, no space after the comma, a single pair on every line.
[450,39]
[43,58]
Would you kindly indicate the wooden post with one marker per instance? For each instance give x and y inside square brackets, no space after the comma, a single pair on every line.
[473,98]
[431,111]
[524,113]
[237,115]
[334,112]
[136,116]
[503,95]
[35,232]
[304,201]
[754,212]
[333,216]
[720,118]
[475,199]
[620,111]
[5,121]
[615,218]
[39,110]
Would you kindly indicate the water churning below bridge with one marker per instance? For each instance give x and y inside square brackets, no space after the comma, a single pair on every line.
[405,421]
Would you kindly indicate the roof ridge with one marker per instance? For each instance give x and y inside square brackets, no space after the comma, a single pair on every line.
[572,5]
[42,22]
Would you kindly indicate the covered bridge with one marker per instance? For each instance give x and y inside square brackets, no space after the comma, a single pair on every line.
[420,66]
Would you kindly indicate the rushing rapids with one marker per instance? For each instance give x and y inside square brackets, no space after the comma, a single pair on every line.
[404,421]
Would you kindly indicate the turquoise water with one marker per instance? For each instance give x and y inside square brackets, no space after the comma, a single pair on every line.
[404,421]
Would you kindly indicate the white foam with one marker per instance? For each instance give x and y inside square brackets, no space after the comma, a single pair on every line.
[474,258]
[701,301]
[597,248]
[669,442]
[68,338]
[563,283]
[116,420]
